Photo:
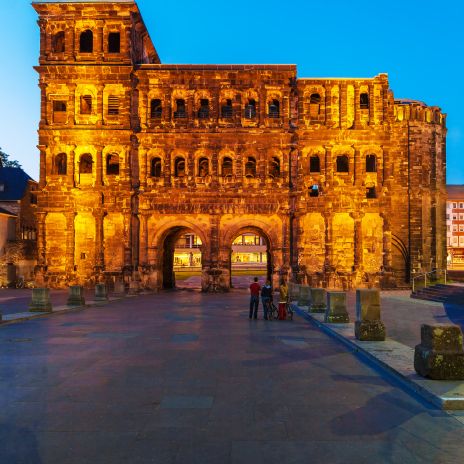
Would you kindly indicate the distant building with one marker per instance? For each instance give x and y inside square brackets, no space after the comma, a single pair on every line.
[18,225]
[455,225]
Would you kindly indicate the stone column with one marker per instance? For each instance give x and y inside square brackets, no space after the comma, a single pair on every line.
[143,241]
[387,258]
[41,250]
[358,241]
[43,166]
[127,238]
[70,242]
[328,243]
[99,164]
[99,243]
[70,174]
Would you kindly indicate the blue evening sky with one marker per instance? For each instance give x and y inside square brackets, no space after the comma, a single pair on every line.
[419,43]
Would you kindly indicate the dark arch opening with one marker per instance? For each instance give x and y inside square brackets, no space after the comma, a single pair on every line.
[86,42]
[250,256]
[182,259]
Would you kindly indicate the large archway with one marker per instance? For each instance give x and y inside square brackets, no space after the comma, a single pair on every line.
[181,259]
[250,256]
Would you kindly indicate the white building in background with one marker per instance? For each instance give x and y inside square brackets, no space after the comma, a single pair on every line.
[455,225]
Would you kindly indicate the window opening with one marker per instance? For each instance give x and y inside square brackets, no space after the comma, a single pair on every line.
[274,170]
[59,111]
[203,167]
[227,109]
[371,163]
[179,167]
[86,42]
[113,105]
[370,192]
[227,168]
[86,104]
[114,42]
[314,105]
[274,109]
[342,163]
[155,168]
[314,190]
[61,164]
[181,111]
[314,164]
[250,109]
[112,165]
[156,109]
[85,164]
[203,111]
[364,101]
[58,44]
[250,167]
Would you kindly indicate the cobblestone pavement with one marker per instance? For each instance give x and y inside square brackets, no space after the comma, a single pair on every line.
[182,377]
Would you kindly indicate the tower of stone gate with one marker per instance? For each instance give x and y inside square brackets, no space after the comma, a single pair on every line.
[345,184]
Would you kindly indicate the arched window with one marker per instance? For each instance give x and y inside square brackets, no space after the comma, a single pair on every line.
[203,167]
[371,163]
[314,164]
[364,101]
[314,105]
[85,164]
[203,111]
[343,164]
[156,108]
[112,165]
[86,42]
[371,192]
[227,110]
[314,190]
[58,44]
[274,109]
[181,111]
[86,104]
[61,164]
[227,167]
[179,167]
[250,109]
[250,167]
[59,111]
[274,169]
[114,42]
[155,167]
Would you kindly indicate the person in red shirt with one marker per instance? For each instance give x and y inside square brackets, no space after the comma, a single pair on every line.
[254,298]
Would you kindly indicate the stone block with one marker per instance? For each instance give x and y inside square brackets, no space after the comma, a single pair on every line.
[440,355]
[370,331]
[76,296]
[134,287]
[367,305]
[304,296]
[318,300]
[336,308]
[101,292]
[119,287]
[40,300]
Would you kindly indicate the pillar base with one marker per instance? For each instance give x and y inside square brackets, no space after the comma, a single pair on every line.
[438,365]
[370,331]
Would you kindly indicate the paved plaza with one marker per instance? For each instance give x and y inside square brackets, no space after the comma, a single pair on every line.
[183,377]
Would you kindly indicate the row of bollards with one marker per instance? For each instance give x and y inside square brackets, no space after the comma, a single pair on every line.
[41,297]
[439,356]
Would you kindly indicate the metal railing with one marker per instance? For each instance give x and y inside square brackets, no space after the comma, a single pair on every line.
[429,278]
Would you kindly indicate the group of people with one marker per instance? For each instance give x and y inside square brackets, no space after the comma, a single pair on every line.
[266,297]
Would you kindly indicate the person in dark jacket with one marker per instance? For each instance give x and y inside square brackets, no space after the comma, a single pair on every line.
[266,297]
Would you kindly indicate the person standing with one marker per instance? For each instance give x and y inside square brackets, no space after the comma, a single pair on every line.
[254,298]
[266,297]
[283,300]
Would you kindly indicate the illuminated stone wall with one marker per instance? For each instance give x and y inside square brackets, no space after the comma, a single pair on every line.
[345,184]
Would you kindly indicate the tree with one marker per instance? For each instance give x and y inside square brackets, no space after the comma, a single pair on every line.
[5,161]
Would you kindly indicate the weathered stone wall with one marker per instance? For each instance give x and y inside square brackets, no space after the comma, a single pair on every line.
[345,184]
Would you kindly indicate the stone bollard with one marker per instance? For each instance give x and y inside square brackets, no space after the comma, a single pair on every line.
[368,325]
[40,300]
[440,355]
[134,287]
[318,300]
[336,308]
[119,287]
[76,296]
[304,296]
[294,292]
[101,292]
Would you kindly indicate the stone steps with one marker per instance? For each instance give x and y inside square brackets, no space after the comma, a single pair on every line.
[441,293]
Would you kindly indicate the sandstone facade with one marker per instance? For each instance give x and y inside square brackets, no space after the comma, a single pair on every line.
[346,185]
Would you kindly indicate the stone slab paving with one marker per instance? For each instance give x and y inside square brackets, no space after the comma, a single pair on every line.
[116,384]
[399,360]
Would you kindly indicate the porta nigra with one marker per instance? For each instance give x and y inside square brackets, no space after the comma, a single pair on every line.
[345,184]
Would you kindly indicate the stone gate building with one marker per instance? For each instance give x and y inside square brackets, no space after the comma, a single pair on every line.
[345,183]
